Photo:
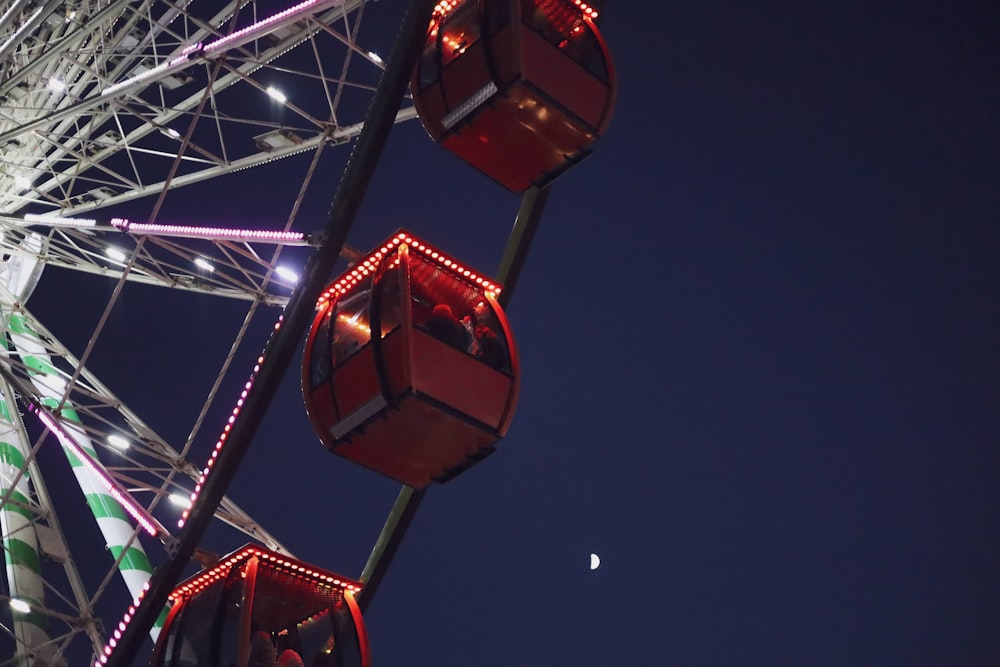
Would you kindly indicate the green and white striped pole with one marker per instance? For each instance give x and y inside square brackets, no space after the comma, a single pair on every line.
[20,542]
[119,534]
[22,557]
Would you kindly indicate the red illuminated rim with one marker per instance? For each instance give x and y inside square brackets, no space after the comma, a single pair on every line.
[367,266]
[445,7]
[267,558]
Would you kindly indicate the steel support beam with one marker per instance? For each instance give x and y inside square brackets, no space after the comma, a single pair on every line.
[408,501]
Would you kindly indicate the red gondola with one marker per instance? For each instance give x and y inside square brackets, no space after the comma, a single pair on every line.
[519,89]
[258,608]
[410,368]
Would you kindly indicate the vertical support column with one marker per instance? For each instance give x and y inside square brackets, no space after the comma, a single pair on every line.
[408,501]
[20,541]
[529,216]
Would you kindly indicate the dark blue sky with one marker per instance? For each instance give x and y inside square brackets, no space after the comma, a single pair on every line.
[758,331]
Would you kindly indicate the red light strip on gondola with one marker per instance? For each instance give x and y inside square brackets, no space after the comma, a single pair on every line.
[367,266]
[586,9]
[225,433]
[269,559]
[566,18]
[445,7]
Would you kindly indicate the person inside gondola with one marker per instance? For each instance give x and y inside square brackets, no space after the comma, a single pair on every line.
[443,325]
[290,658]
[262,653]
[489,349]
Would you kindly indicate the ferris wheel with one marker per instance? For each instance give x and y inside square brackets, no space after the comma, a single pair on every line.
[111,101]
[104,102]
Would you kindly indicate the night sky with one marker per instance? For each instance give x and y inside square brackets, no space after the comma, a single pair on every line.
[758,333]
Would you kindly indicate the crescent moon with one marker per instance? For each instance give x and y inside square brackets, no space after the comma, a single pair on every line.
[595,561]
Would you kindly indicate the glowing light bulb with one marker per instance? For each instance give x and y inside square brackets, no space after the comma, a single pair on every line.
[276,94]
[117,441]
[287,274]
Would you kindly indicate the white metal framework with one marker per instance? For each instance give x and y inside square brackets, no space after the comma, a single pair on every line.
[103,102]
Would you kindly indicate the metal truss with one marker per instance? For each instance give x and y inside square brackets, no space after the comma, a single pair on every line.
[103,102]
[39,373]
[139,461]
[205,263]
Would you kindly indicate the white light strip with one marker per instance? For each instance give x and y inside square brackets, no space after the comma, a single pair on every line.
[148,74]
[56,221]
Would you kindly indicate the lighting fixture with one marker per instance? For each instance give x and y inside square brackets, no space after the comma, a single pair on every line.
[287,274]
[204,264]
[117,441]
[117,254]
[276,94]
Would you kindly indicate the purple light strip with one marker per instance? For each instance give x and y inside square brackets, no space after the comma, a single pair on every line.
[220,443]
[241,36]
[113,642]
[213,233]
[136,512]
[248,33]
